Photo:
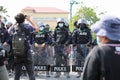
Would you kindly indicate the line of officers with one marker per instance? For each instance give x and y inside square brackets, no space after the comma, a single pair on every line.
[54,47]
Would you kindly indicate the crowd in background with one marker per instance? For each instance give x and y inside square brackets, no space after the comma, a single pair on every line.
[39,45]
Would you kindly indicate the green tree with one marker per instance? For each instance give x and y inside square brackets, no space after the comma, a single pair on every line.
[88,13]
[3,11]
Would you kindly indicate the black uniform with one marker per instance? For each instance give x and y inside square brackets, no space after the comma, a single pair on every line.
[83,38]
[40,38]
[111,57]
[80,38]
[2,25]
[49,48]
[4,37]
[61,36]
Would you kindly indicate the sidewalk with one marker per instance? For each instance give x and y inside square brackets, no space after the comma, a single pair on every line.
[43,77]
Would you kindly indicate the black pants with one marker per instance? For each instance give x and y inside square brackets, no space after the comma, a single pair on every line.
[28,63]
[80,55]
[60,56]
[61,59]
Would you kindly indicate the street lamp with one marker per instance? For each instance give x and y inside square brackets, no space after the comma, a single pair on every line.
[71,5]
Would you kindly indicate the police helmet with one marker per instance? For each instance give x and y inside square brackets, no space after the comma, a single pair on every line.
[9,23]
[66,23]
[60,20]
[47,26]
[40,24]
[84,21]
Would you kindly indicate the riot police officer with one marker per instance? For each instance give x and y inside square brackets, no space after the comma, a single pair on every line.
[49,48]
[8,25]
[4,41]
[2,23]
[81,39]
[41,39]
[61,36]
[83,25]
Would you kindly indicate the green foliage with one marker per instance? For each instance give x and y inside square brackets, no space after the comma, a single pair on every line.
[3,11]
[87,13]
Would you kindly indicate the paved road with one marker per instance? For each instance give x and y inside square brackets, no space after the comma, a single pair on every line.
[43,77]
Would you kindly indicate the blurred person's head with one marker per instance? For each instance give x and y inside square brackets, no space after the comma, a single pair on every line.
[9,24]
[41,26]
[107,29]
[82,23]
[20,18]
[47,27]
[60,22]
[75,24]
[2,22]
[66,24]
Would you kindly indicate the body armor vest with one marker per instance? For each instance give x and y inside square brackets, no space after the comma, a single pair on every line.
[40,38]
[61,36]
[82,37]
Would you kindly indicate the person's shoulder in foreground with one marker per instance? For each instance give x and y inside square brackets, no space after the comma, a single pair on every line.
[107,30]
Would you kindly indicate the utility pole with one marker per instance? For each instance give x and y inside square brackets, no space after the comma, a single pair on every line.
[71,5]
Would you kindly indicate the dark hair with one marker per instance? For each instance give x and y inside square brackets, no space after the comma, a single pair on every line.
[75,23]
[20,18]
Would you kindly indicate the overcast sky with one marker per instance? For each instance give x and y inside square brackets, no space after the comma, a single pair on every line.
[15,6]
